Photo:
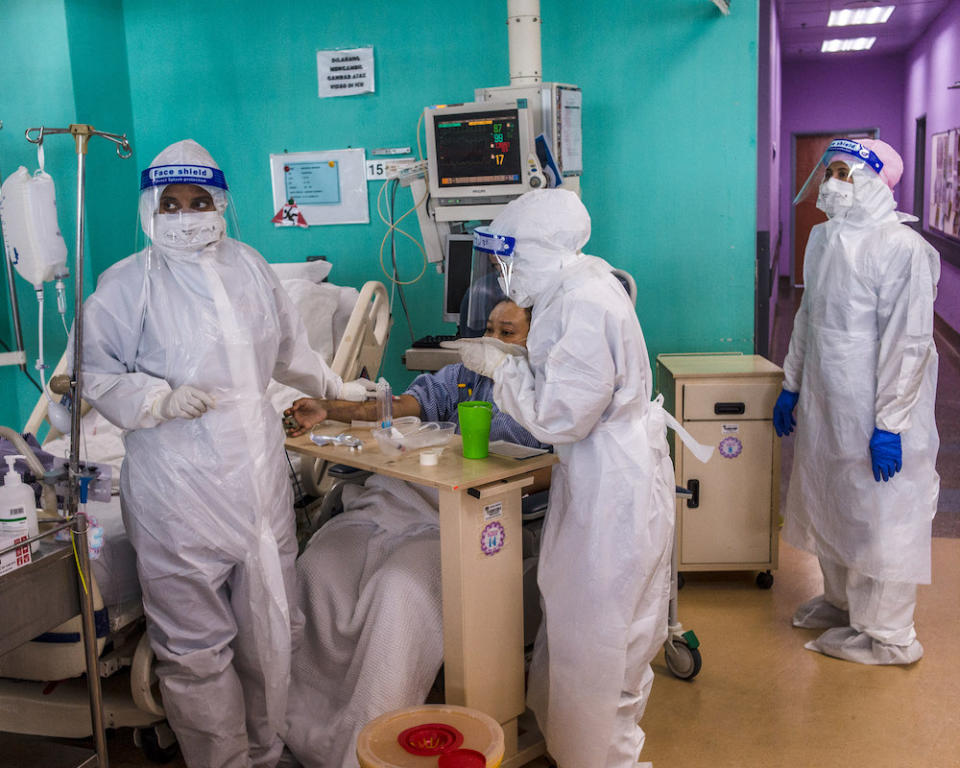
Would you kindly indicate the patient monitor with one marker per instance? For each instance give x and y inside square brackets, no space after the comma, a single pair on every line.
[483,154]
[480,153]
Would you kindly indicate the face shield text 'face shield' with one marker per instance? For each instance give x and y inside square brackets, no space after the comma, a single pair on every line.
[182,206]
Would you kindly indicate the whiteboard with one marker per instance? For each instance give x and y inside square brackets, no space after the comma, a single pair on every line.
[330,187]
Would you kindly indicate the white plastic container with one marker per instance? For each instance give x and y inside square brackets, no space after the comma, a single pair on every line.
[404,437]
[18,505]
[28,210]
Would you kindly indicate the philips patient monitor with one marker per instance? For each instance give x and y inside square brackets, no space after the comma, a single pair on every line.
[480,153]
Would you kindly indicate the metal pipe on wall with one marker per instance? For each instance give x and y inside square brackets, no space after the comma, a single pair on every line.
[523,28]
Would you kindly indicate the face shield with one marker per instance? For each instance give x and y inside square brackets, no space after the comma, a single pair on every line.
[492,268]
[184,208]
[833,182]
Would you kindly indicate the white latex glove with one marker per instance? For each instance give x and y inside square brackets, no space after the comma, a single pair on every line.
[359,390]
[182,403]
[485,354]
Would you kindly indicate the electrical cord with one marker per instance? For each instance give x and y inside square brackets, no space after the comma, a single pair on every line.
[393,256]
[392,228]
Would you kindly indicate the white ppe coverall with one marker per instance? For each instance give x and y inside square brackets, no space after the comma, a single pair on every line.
[206,501]
[861,357]
[604,572]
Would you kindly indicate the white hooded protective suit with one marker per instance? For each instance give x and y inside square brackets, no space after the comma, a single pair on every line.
[604,571]
[862,356]
[206,501]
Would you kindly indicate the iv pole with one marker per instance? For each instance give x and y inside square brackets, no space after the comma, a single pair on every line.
[81,134]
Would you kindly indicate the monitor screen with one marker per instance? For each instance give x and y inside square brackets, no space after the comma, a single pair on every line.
[458,255]
[480,148]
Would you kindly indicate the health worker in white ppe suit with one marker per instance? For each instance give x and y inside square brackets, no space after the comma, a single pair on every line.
[584,387]
[180,341]
[860,381]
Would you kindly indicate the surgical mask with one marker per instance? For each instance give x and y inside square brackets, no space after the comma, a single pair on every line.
[835,197]
[188,231]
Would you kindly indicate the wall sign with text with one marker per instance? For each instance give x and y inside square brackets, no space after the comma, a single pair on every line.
[345,72]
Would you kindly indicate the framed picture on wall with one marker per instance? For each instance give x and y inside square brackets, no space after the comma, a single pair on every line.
[944,215]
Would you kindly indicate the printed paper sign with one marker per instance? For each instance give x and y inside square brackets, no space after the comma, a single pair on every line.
[493,511]
[345,72]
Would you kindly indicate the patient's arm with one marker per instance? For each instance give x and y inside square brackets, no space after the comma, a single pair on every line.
[308,411]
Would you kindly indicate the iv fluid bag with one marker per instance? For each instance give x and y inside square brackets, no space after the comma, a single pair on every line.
[31,235]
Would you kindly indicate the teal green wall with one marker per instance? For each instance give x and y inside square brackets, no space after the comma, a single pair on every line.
[670,116]
[101,84]
[36,89]
[670,127]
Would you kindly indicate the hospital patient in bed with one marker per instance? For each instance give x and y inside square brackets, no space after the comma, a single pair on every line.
[369,580]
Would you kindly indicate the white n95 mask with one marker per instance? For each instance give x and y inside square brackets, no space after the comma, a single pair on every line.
[187,231]
[835,197]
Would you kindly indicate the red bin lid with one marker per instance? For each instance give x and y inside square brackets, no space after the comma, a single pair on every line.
[431,739]
[462,758]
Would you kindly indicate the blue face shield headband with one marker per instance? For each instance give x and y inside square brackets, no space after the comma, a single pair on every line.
[853,149]
[495,245]
[161,175]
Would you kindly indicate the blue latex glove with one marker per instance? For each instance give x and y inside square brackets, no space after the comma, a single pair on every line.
[783,419]
[885,454]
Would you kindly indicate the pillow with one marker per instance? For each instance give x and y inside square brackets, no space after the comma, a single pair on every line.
[317,304]
[315,271]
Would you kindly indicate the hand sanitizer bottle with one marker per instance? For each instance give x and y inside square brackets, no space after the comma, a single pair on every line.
[17,501]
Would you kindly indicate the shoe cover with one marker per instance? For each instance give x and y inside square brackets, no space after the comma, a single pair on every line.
[851,645]
[820,614]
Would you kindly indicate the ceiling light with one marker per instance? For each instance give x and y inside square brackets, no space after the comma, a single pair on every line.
[850,16]
[853,44]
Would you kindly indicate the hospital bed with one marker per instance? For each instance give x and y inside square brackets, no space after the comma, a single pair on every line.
[42,688]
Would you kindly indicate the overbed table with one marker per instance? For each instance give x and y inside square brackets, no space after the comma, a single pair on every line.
[481,571]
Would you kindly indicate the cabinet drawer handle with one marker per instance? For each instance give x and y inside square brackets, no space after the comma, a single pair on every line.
[694,487]
[729,409]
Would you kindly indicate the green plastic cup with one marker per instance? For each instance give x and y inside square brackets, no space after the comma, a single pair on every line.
[475,417]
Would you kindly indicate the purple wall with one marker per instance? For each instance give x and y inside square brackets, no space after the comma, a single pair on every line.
[932,64]
[854,92]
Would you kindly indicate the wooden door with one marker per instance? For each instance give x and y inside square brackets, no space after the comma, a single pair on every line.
[808,149]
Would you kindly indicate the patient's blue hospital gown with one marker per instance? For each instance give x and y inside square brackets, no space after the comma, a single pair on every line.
[369,587]
[440,393]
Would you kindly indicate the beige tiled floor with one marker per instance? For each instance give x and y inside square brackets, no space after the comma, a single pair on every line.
[762,700]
